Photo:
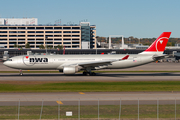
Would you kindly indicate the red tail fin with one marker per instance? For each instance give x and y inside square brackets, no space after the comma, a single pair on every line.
[159,44]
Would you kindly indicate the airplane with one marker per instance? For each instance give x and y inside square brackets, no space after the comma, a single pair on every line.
[70,64]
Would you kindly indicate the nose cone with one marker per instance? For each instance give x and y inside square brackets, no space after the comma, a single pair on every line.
[10,64]
[5,63]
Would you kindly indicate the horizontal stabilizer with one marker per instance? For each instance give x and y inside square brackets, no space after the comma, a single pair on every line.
[158,57]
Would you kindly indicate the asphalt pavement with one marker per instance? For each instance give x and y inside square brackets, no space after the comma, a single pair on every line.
[106,98]
[89,98]
[164,66]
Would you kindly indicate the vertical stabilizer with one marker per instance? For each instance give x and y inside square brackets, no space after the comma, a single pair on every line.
[158,46]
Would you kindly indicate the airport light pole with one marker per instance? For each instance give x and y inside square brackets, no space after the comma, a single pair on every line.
[157,108]
[18,109]
[138,108]
[46,44]
[120,109]
[79,109]
[139,41]
[98,108]
[41,109]
[96,50]
[175,108]
[96,44]
[129,40]
[58,111]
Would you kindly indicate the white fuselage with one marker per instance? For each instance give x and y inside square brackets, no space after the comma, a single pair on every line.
[56,62]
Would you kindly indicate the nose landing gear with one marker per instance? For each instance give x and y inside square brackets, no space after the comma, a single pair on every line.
[20,73]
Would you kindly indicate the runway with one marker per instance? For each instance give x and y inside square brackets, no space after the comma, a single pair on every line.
[105,98]
[70,96]
[114,76]
[165,66]
[89,98]
[111,76]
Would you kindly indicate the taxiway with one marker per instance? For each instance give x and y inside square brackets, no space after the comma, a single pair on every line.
[92,97]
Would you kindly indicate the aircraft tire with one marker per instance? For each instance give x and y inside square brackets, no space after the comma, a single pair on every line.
[21,74]
[93,73]
[88,74]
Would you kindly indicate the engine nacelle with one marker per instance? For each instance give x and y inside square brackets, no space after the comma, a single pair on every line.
[70,69]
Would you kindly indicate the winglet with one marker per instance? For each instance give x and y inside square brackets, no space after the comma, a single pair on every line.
[126,57]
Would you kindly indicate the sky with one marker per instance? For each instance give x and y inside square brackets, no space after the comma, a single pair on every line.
[137,18]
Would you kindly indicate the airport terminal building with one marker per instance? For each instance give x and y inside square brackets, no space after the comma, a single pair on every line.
[22,31]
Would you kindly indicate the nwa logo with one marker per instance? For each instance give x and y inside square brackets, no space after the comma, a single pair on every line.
[38,60]
[31,60]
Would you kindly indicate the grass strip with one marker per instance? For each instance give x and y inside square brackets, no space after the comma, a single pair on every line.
[89,111]
[91,86]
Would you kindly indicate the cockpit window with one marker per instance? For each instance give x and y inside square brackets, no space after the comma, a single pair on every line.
[9,59]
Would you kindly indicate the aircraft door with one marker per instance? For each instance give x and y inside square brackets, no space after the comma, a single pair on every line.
[20,60]
[52,60]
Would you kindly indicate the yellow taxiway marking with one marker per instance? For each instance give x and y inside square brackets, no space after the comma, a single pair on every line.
[81,93]
[59,102]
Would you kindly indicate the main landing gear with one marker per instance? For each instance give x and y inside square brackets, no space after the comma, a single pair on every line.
[20,73]
[89,73]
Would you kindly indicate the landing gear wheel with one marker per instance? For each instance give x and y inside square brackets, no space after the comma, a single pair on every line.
[21,74]
[93,73]
[84,73]
[88,74]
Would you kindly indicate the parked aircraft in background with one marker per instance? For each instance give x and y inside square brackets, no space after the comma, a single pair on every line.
[70,64]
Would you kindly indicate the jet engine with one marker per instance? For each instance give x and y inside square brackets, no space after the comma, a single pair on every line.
[70,69]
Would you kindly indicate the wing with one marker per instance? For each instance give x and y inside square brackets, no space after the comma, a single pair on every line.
[95,63]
